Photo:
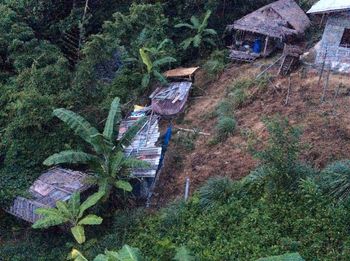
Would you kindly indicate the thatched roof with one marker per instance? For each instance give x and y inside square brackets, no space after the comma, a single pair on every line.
[279,19]
[53,185]
[328,6]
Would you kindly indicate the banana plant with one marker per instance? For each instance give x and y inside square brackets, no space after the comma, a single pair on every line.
[153,66]
[128,253]
[201,34]
[110,167]
[72,213]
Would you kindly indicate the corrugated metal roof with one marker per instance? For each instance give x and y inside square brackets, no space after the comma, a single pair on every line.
[172,99]
[53,185]
[143,146]
[325,6]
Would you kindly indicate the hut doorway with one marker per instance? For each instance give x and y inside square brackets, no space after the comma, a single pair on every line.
[345,40]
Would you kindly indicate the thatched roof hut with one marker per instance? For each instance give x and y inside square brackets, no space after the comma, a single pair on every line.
[279,20]
[53,185]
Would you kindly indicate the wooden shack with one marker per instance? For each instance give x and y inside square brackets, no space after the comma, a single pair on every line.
[259,33]
[334,51]
[53,185]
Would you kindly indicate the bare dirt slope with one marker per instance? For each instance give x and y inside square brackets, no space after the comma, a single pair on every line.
[326,126]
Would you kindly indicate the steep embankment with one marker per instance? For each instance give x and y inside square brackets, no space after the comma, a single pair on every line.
[325,125]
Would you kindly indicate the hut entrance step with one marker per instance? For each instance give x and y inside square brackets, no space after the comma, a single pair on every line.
[287,64]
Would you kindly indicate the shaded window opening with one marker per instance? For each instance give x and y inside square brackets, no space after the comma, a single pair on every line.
[345,40]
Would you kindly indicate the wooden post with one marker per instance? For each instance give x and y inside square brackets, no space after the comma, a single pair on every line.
[288,92]
[325,86]
[187,188]
[266,43]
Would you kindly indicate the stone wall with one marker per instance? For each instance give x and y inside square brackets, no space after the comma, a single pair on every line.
[334,56]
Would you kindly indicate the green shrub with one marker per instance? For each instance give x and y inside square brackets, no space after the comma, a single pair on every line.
[237,97]
[216,63]
[225,127]
[217,190]
[280,156]
[224,108]
[335,179]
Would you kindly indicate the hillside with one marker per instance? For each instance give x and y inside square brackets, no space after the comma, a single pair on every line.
[87,172]
[325,125]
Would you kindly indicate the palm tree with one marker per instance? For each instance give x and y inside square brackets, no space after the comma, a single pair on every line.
[111,168]
[72,213]
[201,32]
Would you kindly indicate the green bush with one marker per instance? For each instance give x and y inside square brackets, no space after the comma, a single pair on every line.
[216,191]
[335,179]
[225,127]
[216,63]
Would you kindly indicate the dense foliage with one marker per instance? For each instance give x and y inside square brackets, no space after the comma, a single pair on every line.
[59,54]
[249,219]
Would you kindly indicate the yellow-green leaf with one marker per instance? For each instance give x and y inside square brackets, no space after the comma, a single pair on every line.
[79,234]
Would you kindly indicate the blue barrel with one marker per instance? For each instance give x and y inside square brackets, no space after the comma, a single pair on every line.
[257,46]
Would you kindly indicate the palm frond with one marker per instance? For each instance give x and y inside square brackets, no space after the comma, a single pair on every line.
[210,41]
[70,157]
[134,163]
[78,124]
[210,32]
[130,134]
[197,40]
[186,43]
[185,25]
[49,221]
[74,203]
[123,185]
[205,21]
[164,60]
[162,44]
[90,220]
[160,77]
[146,59]
[195,22]
[63,209]
[113,119]
[89,202]
[116,163]
[145,80]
